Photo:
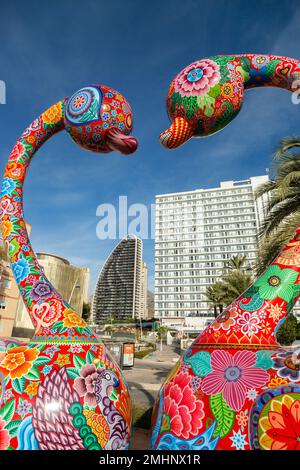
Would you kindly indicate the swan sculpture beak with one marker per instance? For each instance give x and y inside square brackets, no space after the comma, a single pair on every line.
[116,140]
[177,134]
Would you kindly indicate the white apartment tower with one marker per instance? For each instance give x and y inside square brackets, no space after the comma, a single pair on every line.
[196,233]
[144,292]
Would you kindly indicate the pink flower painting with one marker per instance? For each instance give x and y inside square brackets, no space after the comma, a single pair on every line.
[233,375]
[197,78]
[183,413]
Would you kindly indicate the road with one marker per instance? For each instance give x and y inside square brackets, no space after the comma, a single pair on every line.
[147,375]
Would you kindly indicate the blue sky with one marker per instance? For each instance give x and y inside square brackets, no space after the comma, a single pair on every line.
[50,49]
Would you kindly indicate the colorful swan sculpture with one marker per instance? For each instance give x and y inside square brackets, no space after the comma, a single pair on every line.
[61,390]
[235,387]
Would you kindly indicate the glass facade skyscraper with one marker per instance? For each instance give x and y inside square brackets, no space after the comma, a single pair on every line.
[118,292]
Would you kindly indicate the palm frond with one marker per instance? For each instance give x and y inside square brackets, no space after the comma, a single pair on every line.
[286,144]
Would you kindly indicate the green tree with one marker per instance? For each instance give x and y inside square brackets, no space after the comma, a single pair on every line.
[237,262]
[283,206]
[233,283]
[162,332]
[86,311]
[215,296]
[287,333]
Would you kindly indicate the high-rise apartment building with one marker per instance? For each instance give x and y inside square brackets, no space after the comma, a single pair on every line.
[144,292]
[196,233]
[119,287]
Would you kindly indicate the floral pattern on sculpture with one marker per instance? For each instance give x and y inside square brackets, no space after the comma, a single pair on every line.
[18,361]
[182,413]
[233,376]
[288,365]
[277,282]
[197,78]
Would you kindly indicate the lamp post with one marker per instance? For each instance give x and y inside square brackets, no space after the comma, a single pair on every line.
[75,286]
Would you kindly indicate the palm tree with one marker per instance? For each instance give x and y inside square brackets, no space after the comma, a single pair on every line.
[215,296]
[232,284]
[283,204]
[237,262]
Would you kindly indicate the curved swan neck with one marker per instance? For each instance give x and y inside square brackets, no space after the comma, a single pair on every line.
[45,305]
[270,70]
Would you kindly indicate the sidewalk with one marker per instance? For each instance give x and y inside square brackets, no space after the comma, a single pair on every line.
[147,375]
[166,355]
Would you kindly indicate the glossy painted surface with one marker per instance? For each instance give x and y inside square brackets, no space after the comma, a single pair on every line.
[235,388]
[60,391]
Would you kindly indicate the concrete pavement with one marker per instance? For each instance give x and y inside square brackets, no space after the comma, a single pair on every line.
[147,375]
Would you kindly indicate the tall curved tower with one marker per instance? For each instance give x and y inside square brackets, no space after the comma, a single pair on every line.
[118,289]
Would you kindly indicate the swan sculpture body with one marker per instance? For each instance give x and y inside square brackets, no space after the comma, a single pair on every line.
[235,387]
[61,390]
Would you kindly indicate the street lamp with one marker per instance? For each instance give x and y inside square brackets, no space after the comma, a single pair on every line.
[75,286]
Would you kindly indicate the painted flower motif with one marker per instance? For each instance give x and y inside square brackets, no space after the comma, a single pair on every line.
[32,389]
[63,359]
[8,186]
[232,375]
[277,382]
[277,282]
[197,78]
[20,269]
[242,419]
[7,228]
[249,323]
[53,114]
[85,384]
[8,394]
[18,361]
[251,394]
[71,319]
[41,290]
[182,413]
[75,348]
[105,116]
[225,320]
[281,427]
[14,170]
[46,370]
[24,407]
[195,383]
[51,350]
[275,312]
[238,440]
[227,90]
[31,139]
[287,365]
[17,151]
[260,60]
[4,436]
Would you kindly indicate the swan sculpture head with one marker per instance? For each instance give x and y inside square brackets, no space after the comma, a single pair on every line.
[98,118]
[208,94]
